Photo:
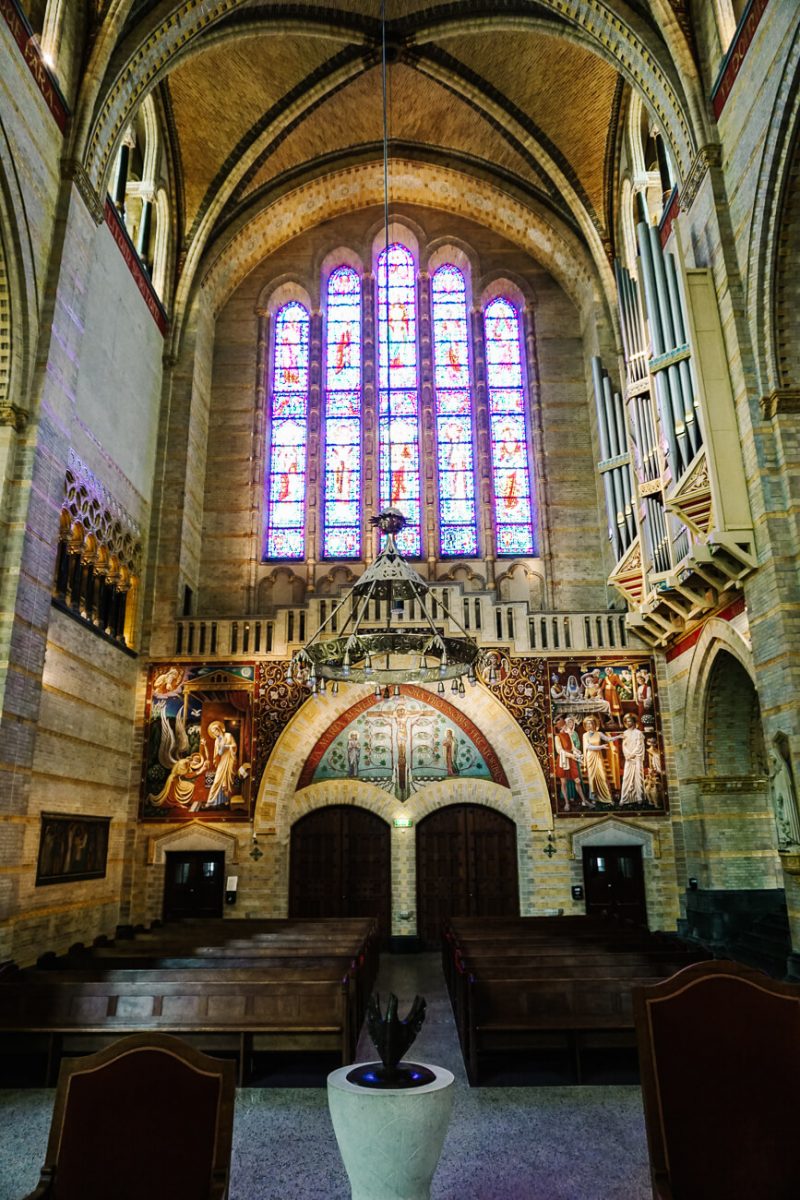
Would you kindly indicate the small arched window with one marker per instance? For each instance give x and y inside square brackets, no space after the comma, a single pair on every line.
[286,478]
[458,534]
[398,428]
[511,476]
[342,506]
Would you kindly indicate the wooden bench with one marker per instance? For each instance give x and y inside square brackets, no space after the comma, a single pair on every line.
[215,1006]
[503,1014]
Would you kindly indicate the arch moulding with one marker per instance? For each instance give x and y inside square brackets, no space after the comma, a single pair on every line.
[717,635]
[195,835]
[611,832]
[279,803]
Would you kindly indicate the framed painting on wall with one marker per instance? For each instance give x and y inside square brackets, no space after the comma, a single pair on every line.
[198,743]
[71,847]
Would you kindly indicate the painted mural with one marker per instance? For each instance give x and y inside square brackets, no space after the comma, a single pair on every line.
[402,744]
[199,743]
[606,744]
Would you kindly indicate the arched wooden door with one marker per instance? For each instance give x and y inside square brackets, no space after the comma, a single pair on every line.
[466,867]
[340,866]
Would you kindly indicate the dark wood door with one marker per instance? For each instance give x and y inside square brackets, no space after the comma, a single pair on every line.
[466,867]
[194,883]
[614,881]
[340,866]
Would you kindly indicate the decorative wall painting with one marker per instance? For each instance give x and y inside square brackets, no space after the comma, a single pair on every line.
[71,847]
[606,745]
[401,745]
[199,743]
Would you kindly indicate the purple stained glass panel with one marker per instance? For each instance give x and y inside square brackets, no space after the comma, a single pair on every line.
[342,486]
[459,540]
[454,429]
[286,485]
[514,515]
[343,543]
[398,396]
[515,539]
[285,543]
[454,404]
[286,477]
[344,404]
[458,511]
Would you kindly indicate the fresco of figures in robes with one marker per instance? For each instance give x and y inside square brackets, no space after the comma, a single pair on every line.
[199,743]
[402,744]
[607,748]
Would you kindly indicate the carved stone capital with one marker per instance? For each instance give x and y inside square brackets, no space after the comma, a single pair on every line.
[707,156]
[780,402]
[75,171]
[11,414]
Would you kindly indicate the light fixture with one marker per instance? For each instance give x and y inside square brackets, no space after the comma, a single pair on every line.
[359,651]
[363,651]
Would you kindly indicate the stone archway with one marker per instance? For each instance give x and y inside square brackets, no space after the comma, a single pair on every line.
[281,801]
[727,824]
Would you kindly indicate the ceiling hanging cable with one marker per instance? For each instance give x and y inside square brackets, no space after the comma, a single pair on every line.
[355,652]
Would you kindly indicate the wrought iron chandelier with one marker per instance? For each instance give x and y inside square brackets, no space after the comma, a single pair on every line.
[389,656]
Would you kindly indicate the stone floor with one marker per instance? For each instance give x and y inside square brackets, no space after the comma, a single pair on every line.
[516,1143]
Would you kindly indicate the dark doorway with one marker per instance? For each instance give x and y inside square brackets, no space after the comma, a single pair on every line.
[340,866]
[194,883]
[614,882]
[466,867]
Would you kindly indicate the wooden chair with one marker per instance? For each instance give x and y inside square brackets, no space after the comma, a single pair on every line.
[146,1117]
[719,1054]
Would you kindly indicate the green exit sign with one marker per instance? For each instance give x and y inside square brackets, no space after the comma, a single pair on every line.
[402,822]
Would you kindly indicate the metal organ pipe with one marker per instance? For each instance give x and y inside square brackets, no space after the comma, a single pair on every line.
[602,428]
[690,413]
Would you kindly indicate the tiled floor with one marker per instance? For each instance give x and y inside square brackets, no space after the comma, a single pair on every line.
[523,1143]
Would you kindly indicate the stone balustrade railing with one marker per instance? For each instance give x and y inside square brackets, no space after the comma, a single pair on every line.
[509,625]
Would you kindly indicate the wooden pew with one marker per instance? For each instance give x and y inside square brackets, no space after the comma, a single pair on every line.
[503,1014]
[208,1004]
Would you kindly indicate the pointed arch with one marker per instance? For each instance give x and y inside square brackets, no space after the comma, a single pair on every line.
[508,431]
[341,536]
[288,434]
[455,434]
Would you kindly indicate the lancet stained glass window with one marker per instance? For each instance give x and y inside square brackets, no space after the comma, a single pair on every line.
[399,398]
[457,518]
[286,480]
[510,470]
[342,504]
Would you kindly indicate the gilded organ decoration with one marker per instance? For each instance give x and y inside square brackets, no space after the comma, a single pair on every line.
[606,743]
[199,743]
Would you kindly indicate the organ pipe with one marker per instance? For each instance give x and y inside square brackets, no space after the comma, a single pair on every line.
[617,483]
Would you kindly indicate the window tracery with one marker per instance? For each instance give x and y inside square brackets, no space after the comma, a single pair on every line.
[458,534]
[508,433]
[342,507]
[413,369]
[398,420]
[286,480]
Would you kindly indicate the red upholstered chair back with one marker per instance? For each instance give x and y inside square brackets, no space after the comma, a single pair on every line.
[719,1050]
[147,1117]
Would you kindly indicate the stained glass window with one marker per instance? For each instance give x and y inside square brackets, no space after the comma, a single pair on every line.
[342,503]
[457,517]
[399,397]
[510,471]
[286,479]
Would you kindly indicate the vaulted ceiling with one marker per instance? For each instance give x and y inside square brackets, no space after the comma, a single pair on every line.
[524,96]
